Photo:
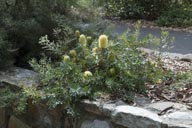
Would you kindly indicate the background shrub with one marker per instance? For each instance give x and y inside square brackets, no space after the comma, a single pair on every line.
[24,22]
[166,12]
[145,9]
[6,59]
[177,15]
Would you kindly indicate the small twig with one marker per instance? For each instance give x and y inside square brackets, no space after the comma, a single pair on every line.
[13,50]
[165,110]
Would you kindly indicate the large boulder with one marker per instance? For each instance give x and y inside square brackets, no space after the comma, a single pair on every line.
[18,77]
[95,124]
[135,117]
[3,118]
[16,123]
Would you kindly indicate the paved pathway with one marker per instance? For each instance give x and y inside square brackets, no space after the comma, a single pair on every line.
[182,43]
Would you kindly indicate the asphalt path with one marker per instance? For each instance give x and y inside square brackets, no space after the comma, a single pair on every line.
[182,43]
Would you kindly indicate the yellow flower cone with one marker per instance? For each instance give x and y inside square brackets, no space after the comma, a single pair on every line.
[89,40]
[77,33]
[112,71]
[103,41]
[66,58]
[72,53]
[159,81]
[95,50]
[87,74]
[82,40]
[112,57]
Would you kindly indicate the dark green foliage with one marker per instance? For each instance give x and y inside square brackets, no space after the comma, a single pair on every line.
[24,22]
[145,9]
[119,69]
[5,55]
[182,80]
[115,69]
[178,15]
[166,12]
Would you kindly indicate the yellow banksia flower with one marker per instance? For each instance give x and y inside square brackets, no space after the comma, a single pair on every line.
[153,63]
[103,41]
[128,73]
[89,38]
[87,74]
[112,71]
[112,57]
[77,33]
[66,58]
[159,81]
[82,40]
[95,49]
[72,53]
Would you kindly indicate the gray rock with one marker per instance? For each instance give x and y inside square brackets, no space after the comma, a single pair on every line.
[94,107]
[84,26]
[95,124]
[178,119]
[47,121]
[181,116]
[3,118]
[19,77]
[160,106]
[134,117]
[16,123]
[182,57]
[108,109]
[39,116]
[141,100]
[120,102]
[172,55]
[176,125]
[186,57]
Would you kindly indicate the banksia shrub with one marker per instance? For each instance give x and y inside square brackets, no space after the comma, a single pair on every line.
[119,69]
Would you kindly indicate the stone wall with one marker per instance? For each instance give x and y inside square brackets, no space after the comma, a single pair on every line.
[126,116]
[94,114]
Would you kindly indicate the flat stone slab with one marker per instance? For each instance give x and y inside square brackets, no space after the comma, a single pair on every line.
[95,124]
[135,117]
[180,118]
[16,123]
[160,106]
[139,117]
[3,118]
[179,56]
[19,77]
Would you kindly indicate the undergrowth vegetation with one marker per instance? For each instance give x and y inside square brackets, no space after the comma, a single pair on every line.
[22,23]
[164,12]
[79,66]
[177,16]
